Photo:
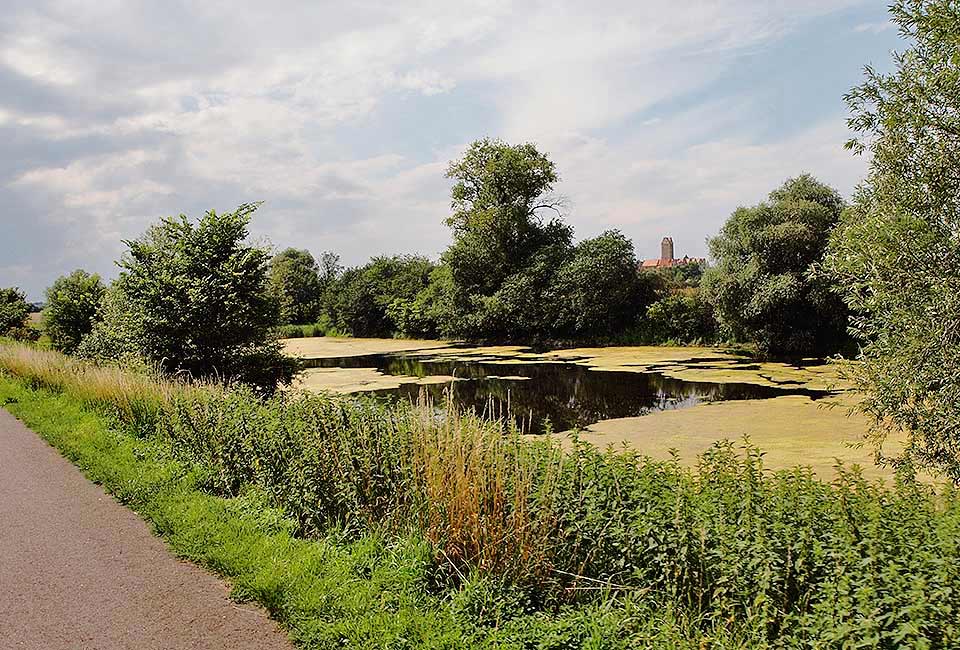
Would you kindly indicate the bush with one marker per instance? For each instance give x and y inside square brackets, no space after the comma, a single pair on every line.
[323,327]
[73,308]
[193,299]
[13,310]
[367,300]
[683,318]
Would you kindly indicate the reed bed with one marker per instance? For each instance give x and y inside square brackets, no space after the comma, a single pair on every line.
[726,545]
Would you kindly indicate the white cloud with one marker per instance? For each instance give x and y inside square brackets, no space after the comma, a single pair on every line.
[874,27]
[154,109]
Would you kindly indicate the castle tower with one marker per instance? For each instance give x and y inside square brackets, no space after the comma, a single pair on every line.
[666,248]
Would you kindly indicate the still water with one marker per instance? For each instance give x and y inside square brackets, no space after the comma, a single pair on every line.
[556,395]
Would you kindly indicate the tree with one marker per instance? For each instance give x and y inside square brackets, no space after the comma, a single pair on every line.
[73,307]
[896,253]
[763,288]
[13,310]
[680,317]
[499,197]
[369,298]
[193,298]
[294,281]
[598,292]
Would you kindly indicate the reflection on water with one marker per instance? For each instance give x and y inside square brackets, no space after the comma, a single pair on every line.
[559,395]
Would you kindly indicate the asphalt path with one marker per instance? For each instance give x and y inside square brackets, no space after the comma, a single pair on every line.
[80,571]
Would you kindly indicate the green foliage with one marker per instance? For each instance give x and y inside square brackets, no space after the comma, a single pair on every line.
[13,310]
[193,299]
[615,550]
[427,314]
[323,327]
[372,300]
[681,276]
[294,281]
[681,317]
[514,276]
[896,253]
[115,336]
[598,291]
[762,288]
[73,308]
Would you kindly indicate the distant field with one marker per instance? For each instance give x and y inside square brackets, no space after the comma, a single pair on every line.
[34,319]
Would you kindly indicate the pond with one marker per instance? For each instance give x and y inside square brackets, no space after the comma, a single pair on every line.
[542,393]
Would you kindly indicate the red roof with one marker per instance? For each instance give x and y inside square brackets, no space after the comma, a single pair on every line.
[665,263]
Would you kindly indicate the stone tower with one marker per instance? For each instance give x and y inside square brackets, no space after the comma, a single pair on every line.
[666,248]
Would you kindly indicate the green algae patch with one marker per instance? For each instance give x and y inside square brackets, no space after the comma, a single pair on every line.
[711,365]
[325,347]
[359,380]
[792,430]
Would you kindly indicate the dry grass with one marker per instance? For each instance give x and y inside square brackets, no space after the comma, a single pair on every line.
[479,487]
[135,396]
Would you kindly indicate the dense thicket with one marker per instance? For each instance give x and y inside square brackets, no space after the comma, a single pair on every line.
[897,251]
[72,309]
[376,299]
[762,287]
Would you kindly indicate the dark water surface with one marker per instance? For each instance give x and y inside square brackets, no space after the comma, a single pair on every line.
[558,395]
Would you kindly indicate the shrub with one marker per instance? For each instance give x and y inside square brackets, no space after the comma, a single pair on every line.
[680,318]
[192,298]
[13,309]
[73,307]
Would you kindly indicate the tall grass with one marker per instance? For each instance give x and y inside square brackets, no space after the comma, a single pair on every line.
[726,545]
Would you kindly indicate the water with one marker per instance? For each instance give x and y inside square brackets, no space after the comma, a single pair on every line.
[558,396]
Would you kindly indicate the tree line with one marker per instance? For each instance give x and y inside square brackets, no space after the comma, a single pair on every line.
[514,273]
[801,273]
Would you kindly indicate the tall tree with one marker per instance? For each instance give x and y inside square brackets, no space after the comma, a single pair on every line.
[72,309]
[598,292]
[897,251]
[500,199]
[762,286]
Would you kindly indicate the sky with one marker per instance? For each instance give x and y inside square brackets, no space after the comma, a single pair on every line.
[661,116]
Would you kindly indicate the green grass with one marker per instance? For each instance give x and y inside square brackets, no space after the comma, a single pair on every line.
[372,591]
[323,327]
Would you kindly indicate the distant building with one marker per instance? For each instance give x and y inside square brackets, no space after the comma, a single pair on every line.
[667,258]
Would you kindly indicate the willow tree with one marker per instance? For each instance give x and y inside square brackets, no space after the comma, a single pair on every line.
[763,287]
[897,251]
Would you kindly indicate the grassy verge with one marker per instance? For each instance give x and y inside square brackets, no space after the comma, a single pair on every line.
[363,526]
[334,591]
[327,592]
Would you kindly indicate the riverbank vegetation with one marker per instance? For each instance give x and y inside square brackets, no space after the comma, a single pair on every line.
[478,538]
[362,524]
